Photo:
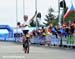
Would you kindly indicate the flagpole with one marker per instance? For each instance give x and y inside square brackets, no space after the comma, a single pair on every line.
[71,2]
[23,8]
[16,19]
[36,13]
[16,15]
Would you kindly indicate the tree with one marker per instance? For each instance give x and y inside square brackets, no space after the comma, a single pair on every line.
[49,17]
[71,17]
[55,21]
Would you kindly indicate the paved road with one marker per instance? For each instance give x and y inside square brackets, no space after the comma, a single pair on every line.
[9,50]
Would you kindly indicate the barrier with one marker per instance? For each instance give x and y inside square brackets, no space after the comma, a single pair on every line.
[55,41]
[11,36]
[35,40]
[69,41]
[18,37]
[8,35]
[52,39]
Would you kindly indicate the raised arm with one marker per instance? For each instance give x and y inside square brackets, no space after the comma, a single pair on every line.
[34,15]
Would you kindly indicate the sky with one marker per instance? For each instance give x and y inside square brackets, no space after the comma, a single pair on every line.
[8,9]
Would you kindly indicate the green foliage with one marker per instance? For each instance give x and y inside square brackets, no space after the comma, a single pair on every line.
[65,10]
[71,17]
[55,21]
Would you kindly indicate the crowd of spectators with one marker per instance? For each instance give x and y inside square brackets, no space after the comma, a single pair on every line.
[66,30]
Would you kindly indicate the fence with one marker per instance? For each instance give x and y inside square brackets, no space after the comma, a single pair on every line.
[68,41]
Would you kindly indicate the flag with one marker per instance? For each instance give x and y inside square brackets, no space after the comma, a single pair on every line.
[70,10]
